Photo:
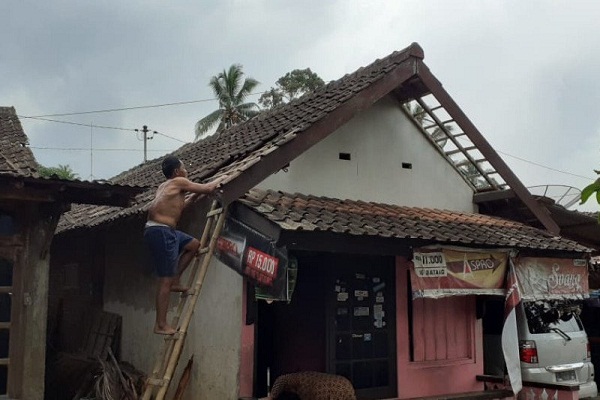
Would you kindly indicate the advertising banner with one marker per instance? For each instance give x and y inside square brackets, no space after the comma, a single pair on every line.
[255,256]
[449,271]
[552,278]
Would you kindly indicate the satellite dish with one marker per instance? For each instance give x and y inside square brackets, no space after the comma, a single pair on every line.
[563,195]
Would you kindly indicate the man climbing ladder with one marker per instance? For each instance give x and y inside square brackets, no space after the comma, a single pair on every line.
[160,378]
[171,250]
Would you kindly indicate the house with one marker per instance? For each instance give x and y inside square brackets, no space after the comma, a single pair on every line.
[30,207]
[348,183]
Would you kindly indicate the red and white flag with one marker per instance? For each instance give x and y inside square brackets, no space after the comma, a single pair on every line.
[510,337]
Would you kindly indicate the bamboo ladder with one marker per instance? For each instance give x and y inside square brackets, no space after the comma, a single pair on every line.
[167,360]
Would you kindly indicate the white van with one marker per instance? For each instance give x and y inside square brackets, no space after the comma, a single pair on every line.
[553,344]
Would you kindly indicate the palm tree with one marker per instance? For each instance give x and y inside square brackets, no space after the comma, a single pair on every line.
[231,89]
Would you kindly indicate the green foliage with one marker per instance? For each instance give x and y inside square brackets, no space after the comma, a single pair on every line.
[289,87]
[231,89]
[60,172]
[589,190]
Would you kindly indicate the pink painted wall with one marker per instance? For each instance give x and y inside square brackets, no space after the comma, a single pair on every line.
[447,338]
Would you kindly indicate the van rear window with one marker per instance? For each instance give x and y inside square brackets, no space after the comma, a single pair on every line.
[545,316]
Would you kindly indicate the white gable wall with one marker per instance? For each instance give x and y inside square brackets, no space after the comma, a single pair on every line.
[378,140]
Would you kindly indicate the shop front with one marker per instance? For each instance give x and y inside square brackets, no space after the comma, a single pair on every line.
[398,317]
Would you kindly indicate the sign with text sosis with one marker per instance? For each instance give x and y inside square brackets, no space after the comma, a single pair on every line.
[254,256]
[450,271]
[552,278]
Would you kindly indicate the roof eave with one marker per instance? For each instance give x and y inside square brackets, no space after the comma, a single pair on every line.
[66,191]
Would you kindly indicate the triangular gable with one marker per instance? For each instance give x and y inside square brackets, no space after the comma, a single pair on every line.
[16,159]
[248,153]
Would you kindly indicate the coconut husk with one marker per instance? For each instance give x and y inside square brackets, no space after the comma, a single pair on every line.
[116,381]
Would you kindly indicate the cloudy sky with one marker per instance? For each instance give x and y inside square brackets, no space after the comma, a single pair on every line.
[525,72]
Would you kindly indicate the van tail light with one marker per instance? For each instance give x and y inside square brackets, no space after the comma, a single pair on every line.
[528,351]
[589,350]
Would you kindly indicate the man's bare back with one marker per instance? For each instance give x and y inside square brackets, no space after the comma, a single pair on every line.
[168,203]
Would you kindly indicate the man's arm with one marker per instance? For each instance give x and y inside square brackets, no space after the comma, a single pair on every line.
[199,188]
[194,197]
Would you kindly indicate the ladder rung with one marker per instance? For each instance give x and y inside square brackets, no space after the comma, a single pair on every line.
[176,336]
[4,361]
[157,382]
[203,250]
[214,212]
[4,325]
[5,289]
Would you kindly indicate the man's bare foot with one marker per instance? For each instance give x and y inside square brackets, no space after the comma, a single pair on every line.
[166,330]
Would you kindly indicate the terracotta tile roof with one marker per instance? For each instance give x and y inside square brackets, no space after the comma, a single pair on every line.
[237,149]
[297,212]
[16,159]
[17,162]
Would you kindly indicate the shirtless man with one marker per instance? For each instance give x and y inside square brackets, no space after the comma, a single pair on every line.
[171,250]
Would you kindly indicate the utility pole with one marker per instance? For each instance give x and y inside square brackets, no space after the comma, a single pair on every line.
[146,138]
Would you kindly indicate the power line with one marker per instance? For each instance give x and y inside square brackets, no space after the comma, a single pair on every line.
[109,110]
[95,149]
[171,137]
[544,166]
[534,163]
[99,126]
[77,123]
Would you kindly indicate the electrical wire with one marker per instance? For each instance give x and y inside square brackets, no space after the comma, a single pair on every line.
[544,166]
[109,110]
[76,123]
[100,127]
[94,149]
[170,137]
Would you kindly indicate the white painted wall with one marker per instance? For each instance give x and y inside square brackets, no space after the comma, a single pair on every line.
[215,331]
[379,140]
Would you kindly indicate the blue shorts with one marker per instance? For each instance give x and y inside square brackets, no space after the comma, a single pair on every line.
[166,244]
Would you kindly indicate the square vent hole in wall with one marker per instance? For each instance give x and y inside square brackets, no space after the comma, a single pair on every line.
[345,156]
[406,165]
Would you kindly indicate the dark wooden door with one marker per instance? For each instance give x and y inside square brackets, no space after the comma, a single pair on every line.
[362,329]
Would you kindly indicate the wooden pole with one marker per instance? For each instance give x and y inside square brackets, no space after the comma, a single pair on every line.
[184,381]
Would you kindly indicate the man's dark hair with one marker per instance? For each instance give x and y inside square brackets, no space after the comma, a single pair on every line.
[169,165]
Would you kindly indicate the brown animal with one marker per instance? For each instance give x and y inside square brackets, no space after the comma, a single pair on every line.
[312,386]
